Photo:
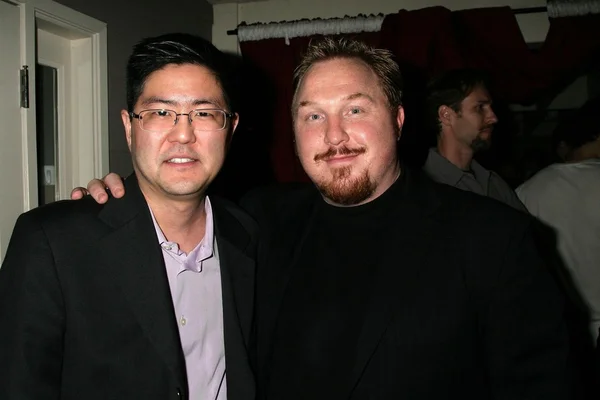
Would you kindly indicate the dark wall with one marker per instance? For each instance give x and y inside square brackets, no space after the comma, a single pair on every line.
[128,21]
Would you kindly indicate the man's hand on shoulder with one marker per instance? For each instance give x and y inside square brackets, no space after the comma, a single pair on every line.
[98,189]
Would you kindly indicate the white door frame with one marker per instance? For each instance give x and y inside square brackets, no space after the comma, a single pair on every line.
[87,149]
[11,176]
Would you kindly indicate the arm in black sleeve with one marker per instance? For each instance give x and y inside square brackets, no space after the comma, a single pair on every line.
[31,316]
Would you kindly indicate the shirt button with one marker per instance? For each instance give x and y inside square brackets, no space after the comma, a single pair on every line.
[183,321]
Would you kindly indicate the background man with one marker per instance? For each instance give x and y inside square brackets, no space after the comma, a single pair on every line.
[459,108]
[566,197]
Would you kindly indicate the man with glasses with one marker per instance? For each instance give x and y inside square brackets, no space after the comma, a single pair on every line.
[148,296]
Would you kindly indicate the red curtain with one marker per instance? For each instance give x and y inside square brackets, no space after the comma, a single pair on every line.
[435,39]
[425,42]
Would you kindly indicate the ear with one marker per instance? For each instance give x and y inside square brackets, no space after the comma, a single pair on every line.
[235,120]
[445,115]
[400,120]
[126,118]
[233,123]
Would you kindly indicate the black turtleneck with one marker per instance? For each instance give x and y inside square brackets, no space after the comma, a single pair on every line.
[328,292]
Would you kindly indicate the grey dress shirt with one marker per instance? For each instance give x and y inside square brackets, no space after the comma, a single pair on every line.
[479,180]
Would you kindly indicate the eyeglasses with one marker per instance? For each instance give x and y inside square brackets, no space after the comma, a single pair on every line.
[202,119]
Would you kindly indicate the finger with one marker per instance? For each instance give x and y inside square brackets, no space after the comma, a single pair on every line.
[78,193]
[96,188]
[114,183]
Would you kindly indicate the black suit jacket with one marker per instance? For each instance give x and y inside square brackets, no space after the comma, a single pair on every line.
[463,308]
[85,306]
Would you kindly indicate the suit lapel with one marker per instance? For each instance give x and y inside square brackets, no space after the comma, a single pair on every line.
[276,265]
[135,260]
[237,269]
[236,250]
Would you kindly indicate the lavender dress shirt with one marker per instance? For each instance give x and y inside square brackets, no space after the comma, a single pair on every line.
[195,283]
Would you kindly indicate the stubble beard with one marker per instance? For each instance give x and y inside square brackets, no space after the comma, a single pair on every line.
[479,144]
[344,190]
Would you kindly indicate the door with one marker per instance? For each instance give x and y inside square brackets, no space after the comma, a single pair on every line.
[11,147]
[46,102]
[39,167]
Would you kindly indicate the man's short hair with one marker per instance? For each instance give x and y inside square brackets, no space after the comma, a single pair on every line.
[155,53]
[380,61]
[450,89]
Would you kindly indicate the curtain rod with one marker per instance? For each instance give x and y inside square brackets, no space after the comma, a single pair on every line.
[516,11]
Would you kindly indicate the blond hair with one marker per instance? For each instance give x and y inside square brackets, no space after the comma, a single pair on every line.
[380,61]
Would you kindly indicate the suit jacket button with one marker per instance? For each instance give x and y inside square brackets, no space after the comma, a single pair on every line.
[179,393]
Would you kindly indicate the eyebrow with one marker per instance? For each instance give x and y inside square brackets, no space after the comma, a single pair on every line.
[353,96]
[196,102]
[360,95]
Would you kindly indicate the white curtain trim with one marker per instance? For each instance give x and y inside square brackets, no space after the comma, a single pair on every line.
[572,8]
[292,29]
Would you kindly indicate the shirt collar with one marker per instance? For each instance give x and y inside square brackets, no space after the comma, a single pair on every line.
[207,243]
[441,169]
[482,175]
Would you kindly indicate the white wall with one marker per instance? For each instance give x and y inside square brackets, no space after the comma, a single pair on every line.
[228,16]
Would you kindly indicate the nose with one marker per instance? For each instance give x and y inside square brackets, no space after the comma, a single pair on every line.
[182,132]
[335,132]
[492,118]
